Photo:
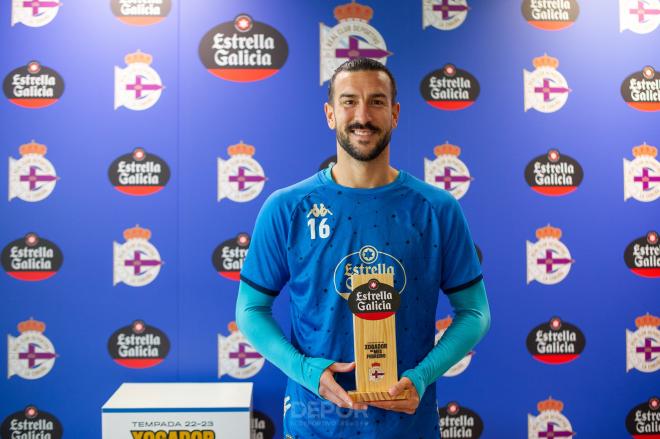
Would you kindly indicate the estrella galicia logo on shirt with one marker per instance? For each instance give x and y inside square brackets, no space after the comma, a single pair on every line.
[459,422]
[31,423]
[240,178]
[444,14]
[32,258]
[643,345]
[229,256]
[31,355]
[463,363]
[352,37]
[367,260]
[236,356]
[639,16]
[556,342]
[32,177]
[548,259]
[138,346]
[243,50]
[643,421]
[34,13]
[140,12]
[641,90]
[553,174]
[641,176]
[139,173]
[447,171]
[33,86]
[642,255]
[550,422]
[136,262]
[550,15]
[546,90]
[374,300]
[450,88]
[261,425]
[137,86]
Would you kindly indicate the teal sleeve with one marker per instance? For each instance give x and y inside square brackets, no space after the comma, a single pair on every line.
[469,325]
[254,317]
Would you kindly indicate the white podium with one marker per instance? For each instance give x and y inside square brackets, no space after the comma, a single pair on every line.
[178,411]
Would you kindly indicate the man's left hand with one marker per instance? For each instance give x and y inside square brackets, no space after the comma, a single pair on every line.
[408,405]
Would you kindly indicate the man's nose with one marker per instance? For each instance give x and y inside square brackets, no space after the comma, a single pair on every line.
[362,113]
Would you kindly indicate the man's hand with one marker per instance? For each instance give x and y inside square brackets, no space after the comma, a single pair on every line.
[333,392]
[408,405]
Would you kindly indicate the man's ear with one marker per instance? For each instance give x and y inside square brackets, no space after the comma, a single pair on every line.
[395,114]
[329,115]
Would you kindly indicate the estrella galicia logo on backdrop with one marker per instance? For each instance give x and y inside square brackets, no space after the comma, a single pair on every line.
[639,16]
[327,162]
[33,86]
[463,363]
[236,356]
[546,90]
[447,171]
[550,15]
[554,174]
[140,12]
[643,421]
[641,90]
[139,173]
[352,37]
[32,258]
[136,262]
[556,342]
[31,355]
[550,422]
[450,88]
[229,256]
[643,345]
[138,345]
[459,422]
[240,178]
[641,176]
[367,260]
[444,14]
[642,255]
[32,177]
[137,86]
[31,423]
[243,50]
[548,259]
[34,13]
[262,426]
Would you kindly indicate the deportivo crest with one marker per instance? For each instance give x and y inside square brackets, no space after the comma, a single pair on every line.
[641,176]
[243,50]
[229,256]
[642,255]
[447,171]
[367,260]
[140,12]
[550,14]
[31,423]
[554,174]
[546,90]
[643,421]
[548,259]
[459,422]
[240,178]
[32,258]
[236,356]
[450,88]
[33,86]
[139,173]
[32,177]
[138,346]
[34,13]
[136,262]
[643,345]
[639,16]
[550,422]
[261,425]
[556,342]
[351,38]
[375,372]
[444,14]
[30,355]
[137,86]
[641,90]
[463,363]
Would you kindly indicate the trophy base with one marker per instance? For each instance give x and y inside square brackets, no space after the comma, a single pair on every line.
[375,396]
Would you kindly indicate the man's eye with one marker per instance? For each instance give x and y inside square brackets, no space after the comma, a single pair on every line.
[348,102]
[378,102]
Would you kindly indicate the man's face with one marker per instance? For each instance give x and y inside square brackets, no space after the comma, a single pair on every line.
[362,113]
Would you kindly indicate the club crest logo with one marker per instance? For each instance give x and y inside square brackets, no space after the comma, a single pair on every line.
[548,259]
[639,16]
[642,256]
[641,176]
[444,14]
[139,173]
[554,174]
[643,345]
[33,86]
[236,356]
[450,88]
[32,258]
[228,257]
[240,178]
[137,86]
[447,171]
[643,421]
[550,15]
[32,177]
[641,90]
[138,346]
[368,260]
[550,422]
[31,423]
[457,422]
[556,342]
[34,13]
[30,355]
[261,425]
[463,363]
[141,12]
[546,90]
[353,37]
[136,261]
[375,372]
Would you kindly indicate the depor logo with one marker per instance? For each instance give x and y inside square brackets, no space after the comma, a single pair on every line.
[643,421]
[639,16]
[556,342]
[34,13]
[550,422]
[641,90]
[31,355]
[550,14]
[444,14]
[236,356]
[141,12]
[229,256]
[642,256]
[136,262]
[463,363]
[554,174]
[139,173]
[32,258]
[138,346]
[546,90]
[33,86]
[643,345]
[32,177]
[240,178]
[31,423]
[137,86]
[641,176]
[450,88]
[548,259]
[457,422]
[447,171]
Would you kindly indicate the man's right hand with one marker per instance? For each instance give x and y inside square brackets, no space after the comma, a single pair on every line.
[333,392]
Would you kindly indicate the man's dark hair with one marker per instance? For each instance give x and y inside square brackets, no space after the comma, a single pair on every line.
[359,65]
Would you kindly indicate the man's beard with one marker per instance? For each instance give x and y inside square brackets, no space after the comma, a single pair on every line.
[342,139]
